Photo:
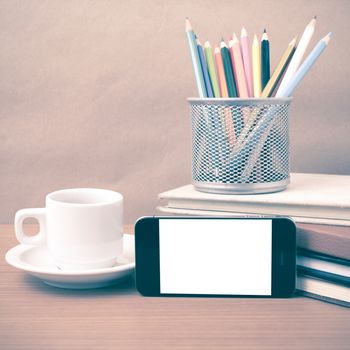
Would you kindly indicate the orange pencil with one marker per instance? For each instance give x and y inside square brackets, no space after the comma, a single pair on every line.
[221,73]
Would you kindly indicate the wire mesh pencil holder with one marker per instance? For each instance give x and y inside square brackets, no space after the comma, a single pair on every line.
[240,146]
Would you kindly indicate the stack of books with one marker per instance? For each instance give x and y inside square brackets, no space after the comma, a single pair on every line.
[320,207]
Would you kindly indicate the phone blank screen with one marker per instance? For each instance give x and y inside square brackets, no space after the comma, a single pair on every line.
[215,256]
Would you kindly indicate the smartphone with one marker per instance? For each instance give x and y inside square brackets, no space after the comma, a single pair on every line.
[212,256]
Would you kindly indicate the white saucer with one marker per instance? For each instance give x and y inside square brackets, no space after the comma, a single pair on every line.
[37,262]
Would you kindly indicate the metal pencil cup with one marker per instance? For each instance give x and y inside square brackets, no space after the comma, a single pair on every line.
[240,146]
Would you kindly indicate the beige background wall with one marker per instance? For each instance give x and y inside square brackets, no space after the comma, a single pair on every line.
[93,93]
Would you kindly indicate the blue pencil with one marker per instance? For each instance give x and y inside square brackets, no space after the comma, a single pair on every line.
[305,67]
[204,70]
[195,60]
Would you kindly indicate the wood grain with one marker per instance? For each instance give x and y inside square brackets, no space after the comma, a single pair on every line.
[36,316]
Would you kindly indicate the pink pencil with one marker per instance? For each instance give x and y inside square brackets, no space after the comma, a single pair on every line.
[246,53]
[221,73]
[237,66]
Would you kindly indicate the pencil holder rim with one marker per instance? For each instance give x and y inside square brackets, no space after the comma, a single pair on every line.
[240,101]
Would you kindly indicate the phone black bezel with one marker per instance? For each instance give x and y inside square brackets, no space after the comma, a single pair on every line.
[283,257]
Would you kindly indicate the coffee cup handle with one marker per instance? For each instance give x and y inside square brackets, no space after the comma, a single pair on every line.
[36,213]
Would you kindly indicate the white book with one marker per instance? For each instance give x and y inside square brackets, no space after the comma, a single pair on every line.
[316,196]
[323,290]
[324,266]
[166,210]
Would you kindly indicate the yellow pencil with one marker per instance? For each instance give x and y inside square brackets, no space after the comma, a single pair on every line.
[256,67]
[281,67]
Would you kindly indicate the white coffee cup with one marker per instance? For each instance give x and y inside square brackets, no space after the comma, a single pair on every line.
[81,227]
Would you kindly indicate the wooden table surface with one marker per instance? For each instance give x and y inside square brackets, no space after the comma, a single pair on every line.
[36,316]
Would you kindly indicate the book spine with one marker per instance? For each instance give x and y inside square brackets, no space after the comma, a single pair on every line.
[266,208]
[323,298]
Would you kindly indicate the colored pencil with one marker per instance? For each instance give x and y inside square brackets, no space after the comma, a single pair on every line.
[226,60]
[221,73]
[195,60]
[278,72]
[261,132]
[256,67]
[227,117]
[265,60]
[305,67]
[246,53]
[204,70]
[238,68]
[212,69]
[298,55]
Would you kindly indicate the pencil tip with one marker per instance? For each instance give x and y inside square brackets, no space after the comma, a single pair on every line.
[188,24]
[327,38]
[293,41]
[264,36]
[313,22]
[223,44]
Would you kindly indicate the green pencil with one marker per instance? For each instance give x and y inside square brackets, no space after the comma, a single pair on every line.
[209,56]
[230,80]
[265,60]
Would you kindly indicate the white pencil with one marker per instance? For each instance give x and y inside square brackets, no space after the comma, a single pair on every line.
[305,67]
[298,55]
